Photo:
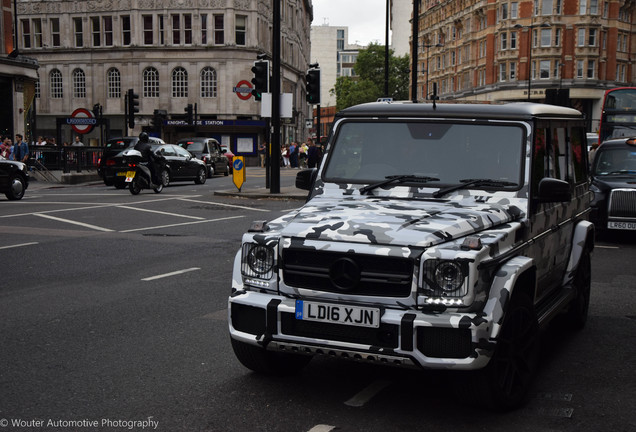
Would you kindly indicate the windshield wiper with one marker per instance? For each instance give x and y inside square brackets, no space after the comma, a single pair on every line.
[472,182]
[397,179]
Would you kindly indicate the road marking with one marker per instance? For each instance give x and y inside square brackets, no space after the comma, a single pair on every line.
[161,212]
[367,394]
[95,227]
[165,275]
[180,224]
[223,205]
[18,245]
[322,428]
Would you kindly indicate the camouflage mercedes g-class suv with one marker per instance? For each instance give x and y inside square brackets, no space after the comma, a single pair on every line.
[434,236]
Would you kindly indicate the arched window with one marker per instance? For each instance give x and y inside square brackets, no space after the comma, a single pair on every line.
[179,82]
[151,83]
[208,82]
[113,79]
[79,83]
[57,90]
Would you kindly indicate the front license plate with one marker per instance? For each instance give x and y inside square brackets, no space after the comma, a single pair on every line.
[622,225]
[338,314]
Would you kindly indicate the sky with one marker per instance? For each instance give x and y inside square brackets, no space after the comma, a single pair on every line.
[365,18]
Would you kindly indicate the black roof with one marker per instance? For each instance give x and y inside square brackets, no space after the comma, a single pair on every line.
[619,142]
[508,111]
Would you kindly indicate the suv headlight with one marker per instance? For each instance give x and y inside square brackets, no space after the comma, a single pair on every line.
[445,281]
[257,261]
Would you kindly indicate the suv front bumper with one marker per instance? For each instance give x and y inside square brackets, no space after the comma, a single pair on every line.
[406,338]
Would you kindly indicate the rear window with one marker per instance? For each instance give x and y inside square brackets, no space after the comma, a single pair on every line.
[192,146]
[119,144]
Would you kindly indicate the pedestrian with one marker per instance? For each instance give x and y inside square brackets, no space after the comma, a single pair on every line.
[313,155]
[284,151]
[302,154]
[20,149]
[78,142]
[262,152]
[41,141]
[6,148]
[293,155]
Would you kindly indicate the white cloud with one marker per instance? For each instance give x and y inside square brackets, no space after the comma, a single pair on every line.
[366,19]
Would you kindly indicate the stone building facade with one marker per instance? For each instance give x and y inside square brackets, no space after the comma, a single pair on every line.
[171,53]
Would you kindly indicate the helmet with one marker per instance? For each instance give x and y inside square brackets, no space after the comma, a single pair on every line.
[143,137]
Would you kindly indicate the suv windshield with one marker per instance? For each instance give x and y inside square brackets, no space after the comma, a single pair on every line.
[615,161]
[368,152]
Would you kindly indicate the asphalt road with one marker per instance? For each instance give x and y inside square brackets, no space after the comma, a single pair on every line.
[113,313]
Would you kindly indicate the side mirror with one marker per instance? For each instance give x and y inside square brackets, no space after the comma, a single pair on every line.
[554,190]
[305,178]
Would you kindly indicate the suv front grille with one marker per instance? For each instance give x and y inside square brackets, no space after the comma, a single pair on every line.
[348,273]
[622,203]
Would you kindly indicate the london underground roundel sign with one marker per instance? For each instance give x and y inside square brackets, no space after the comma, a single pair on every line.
[243,90]
[82,121]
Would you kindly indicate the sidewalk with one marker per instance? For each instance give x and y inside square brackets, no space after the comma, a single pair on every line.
[253,187]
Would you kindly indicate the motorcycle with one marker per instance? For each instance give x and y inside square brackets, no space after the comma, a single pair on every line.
[138,176]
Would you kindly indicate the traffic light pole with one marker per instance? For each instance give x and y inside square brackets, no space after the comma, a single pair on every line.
[275,91]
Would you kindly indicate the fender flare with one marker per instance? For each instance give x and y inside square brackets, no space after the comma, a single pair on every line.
[501,290]
[582,239]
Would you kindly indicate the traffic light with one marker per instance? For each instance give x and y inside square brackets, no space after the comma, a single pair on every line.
[189,110]
[132,103]
[97,111]
[313,86]
[261,78]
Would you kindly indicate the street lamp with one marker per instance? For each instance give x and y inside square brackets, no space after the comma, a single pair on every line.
[427,46]
[530,35]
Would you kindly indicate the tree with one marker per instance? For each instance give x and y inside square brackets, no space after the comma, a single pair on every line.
[368,85]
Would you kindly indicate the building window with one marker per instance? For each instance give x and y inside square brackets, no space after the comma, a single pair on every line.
[187,29]
[79,83]
[126,35]
[208,82]
[37,88]
[240,29]
[204,29]
[37,33]
[176,30]
[107,22]
[513,40]
[544,69]
[593,7]
[591,69]
[591,39]
[581,37]
[557,37]
[546,37]
[96,31]
[219,32]
[579,68]
[340,35]
[55,82]
[502,71]
[151,82]
[582,7]
[514,10]
[546,7]
[621,73]
[78,32]
[55,32]
[148,30]
[113,78]
[179,83]
[26,33]
[504,41]
[513,71]
[557,9]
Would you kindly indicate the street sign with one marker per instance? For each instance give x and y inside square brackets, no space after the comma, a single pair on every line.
[82,121]
[238,176]
[243,90]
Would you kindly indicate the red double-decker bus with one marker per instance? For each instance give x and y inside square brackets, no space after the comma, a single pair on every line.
[618,118]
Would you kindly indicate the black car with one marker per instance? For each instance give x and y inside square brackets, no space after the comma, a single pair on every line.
[113,147]
[180,164]
[209,151]
[14,179]
[613,178]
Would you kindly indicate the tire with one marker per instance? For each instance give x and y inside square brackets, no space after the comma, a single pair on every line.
[164,176]
[201,176]
[578,310]
[267,362]
[227,170]
[17,187]
[158,189]
[134,186]
[212,171]
[503,385]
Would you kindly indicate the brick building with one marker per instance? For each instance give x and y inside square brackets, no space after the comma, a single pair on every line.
[485,49]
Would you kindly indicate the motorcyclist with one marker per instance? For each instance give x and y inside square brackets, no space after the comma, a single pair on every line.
[143,146]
